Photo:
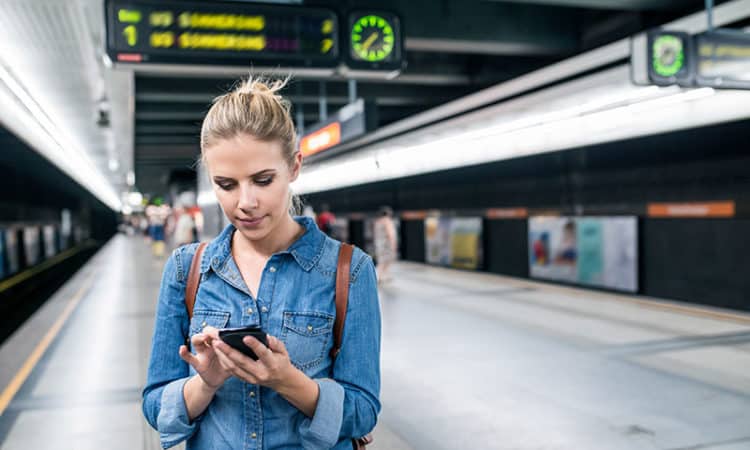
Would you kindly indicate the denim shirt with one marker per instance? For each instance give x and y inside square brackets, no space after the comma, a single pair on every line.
[296,303]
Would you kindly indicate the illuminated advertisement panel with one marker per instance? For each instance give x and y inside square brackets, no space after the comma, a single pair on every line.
[594,251]
[454,242]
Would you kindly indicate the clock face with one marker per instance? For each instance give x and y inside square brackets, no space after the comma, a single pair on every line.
[668,55]
[372,39]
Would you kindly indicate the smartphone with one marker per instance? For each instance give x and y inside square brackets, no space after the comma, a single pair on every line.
[233,337]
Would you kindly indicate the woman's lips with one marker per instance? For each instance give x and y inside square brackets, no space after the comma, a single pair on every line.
[250,222]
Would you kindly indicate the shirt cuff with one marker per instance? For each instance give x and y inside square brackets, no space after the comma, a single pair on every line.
[173,422]
[322,430]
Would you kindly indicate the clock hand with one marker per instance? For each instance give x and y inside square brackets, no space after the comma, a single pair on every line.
[369,41]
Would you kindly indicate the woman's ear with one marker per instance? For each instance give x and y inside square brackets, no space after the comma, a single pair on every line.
[297,166]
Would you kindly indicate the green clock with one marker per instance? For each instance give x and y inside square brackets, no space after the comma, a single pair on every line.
[668,55]
[669,58]
[373,38]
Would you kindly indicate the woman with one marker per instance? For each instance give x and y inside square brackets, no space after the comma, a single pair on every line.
[275,271]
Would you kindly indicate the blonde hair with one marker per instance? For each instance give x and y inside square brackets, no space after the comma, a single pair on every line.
[254,108]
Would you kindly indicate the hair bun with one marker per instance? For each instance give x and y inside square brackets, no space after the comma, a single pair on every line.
[254,86]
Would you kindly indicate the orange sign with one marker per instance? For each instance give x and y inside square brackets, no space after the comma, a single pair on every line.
[507,213]
[326,137]
[413,215]
[130,57]
[708,209]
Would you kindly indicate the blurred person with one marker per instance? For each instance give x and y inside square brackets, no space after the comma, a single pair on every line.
[270,269]
[325,219]
[384,236]
[157,217]
[184,230]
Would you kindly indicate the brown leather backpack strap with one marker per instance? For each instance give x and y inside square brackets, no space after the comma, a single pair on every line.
[342,296]
[194,279]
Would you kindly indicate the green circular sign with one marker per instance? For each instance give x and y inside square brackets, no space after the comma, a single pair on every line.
[668,53]
[372,38]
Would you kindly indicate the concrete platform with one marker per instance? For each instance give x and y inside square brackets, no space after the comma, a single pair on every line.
[469,360]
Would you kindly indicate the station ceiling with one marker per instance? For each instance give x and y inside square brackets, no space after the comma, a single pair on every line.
[453,48]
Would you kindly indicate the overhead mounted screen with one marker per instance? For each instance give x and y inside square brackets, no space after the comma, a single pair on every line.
[215,33]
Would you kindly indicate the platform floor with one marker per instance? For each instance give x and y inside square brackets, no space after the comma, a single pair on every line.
[469,360]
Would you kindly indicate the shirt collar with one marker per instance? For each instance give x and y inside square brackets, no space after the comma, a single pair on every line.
[306,250]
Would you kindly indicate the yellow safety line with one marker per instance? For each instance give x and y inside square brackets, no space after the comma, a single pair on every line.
[26,274]
[31,362]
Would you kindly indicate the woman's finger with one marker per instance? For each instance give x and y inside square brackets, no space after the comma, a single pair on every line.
[264,354]
[187,356]
[276,345]
[239,358]
[211,331]
[232,367]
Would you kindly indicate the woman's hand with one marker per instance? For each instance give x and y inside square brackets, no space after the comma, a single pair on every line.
[205,361]
[272,369]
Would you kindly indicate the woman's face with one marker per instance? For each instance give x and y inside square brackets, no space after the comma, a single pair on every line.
[251,180]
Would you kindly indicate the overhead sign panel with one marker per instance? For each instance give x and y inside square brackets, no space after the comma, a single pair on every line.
[717,59]
[346,124]
[723,59]
[154,31]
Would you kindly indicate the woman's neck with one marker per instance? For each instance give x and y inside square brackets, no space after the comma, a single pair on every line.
[285,234]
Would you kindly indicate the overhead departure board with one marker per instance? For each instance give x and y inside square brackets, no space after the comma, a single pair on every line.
[723,59]
[154,31]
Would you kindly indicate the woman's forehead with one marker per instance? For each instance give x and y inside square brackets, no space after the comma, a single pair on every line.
[242,154]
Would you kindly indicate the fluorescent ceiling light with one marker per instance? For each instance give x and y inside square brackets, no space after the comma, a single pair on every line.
[600,108]
[29,122]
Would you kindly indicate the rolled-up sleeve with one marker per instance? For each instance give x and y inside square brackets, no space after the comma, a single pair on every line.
[349,404]
[173,421]
[163,400]
[322,429]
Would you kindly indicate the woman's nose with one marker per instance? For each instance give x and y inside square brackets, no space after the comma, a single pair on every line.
[248,198]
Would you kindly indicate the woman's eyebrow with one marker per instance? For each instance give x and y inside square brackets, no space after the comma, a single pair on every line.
[262,172]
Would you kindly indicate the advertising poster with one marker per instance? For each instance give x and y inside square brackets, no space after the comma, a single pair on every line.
[3,272]
[621,253]
[591,251]
[11,250]
[454,241]
[553,249]
[594,251]
[50,246]
[466,240]
[438,241]
[31,245]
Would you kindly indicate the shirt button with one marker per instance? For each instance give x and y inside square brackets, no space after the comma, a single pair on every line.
[249,310]
[253,435]
[272,269]
[309,328]
[203,325]
[264,309]
[252,393]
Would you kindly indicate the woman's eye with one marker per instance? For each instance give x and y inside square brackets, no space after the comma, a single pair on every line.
[264,181]
[225,186]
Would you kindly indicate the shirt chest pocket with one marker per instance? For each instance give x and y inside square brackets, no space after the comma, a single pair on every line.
[203,318]
[306,336]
